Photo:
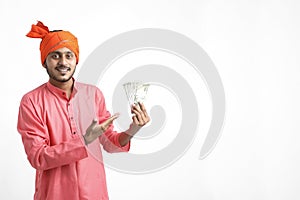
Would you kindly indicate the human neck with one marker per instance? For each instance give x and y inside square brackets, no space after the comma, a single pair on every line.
[66,86]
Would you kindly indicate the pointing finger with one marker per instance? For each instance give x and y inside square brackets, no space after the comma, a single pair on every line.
[109,121]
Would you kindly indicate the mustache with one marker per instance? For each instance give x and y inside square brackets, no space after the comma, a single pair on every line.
[62,67]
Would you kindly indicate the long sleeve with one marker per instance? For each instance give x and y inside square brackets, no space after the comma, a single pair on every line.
[41,153]
[110,139]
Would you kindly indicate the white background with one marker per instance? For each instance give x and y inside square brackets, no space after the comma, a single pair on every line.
[254,45]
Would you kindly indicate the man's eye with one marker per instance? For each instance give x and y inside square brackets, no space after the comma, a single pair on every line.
[55,56]
[69,56]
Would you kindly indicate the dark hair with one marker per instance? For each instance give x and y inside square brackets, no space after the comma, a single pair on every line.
[56,31]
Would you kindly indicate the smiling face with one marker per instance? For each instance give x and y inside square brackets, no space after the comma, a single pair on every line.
[60,65]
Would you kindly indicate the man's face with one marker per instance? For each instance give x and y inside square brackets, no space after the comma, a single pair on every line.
[60,65]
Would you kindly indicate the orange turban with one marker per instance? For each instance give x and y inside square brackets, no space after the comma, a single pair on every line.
[53,40]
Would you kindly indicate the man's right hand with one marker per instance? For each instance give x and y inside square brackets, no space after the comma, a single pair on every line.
[95,130]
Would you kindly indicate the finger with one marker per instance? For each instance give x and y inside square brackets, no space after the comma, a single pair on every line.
[135,107]
[94,123]
[136,110]
[115,116]
[135,120]
[141,114]
[110,120]
[140,119]
[143,108]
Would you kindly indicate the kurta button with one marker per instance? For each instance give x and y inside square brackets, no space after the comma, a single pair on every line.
[74,132]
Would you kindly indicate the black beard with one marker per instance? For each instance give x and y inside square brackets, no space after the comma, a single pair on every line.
[59,80]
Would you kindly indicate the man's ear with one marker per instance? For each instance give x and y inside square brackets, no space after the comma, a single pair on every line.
[45,65]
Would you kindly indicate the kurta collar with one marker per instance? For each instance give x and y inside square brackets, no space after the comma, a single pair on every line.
[61,93]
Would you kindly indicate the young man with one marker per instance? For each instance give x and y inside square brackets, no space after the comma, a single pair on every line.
[63,123]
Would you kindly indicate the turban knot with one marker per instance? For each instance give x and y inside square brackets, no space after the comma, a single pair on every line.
[53,40]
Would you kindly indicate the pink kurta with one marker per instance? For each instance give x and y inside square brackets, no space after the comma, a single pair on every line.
[51,126]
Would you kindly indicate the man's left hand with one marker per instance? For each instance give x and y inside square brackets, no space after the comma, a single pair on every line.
[140,116]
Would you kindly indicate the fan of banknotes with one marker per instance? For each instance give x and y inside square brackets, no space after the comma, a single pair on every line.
[136,91]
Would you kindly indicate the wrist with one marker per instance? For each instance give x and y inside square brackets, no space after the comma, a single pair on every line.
[133,129]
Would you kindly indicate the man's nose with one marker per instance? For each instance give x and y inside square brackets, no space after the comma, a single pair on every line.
[63,61]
